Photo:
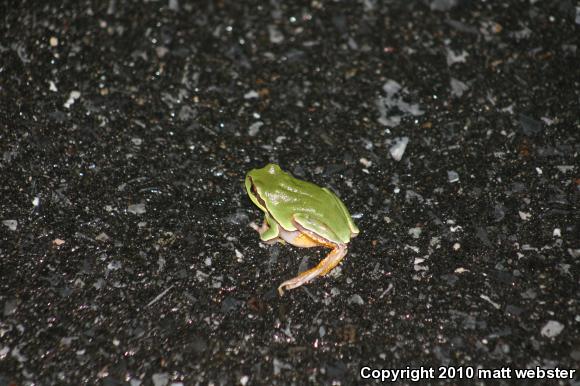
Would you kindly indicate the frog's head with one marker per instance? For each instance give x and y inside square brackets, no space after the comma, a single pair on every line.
[258,179]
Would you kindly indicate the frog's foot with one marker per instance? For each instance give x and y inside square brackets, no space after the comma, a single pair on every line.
[326,265]
[268,233]
[259,229]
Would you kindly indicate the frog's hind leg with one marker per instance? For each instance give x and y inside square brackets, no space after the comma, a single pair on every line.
[326,265]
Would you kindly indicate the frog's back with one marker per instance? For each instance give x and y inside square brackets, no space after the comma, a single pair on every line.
[291,195]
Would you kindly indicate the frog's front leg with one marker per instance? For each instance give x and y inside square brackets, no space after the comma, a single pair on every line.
[269,230]
[326,265]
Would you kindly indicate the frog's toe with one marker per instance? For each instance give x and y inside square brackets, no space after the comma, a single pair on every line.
[290,284]
[281,290]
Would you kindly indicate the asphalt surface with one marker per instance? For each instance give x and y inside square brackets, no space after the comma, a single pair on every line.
[450,129]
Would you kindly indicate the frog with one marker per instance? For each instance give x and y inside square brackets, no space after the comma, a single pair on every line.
[302,214]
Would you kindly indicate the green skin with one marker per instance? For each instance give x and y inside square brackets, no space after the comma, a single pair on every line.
[300,213]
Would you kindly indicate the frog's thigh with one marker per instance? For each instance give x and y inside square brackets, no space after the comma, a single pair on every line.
[299,239]
[305,223]
[325,266]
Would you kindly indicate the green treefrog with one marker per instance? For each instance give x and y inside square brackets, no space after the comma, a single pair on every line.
[302,214]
